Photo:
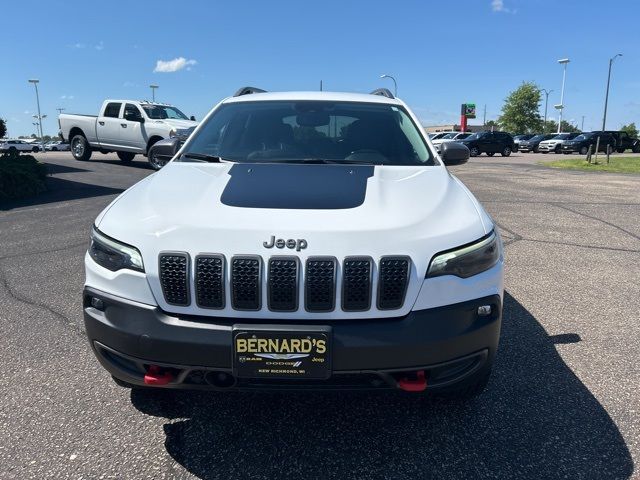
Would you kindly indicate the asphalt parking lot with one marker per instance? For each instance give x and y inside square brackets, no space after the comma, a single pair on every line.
[563,401]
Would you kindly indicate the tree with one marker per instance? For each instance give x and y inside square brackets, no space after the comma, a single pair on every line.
[3,128]
[630,129]
[491,125]
[552,127]
[520,112]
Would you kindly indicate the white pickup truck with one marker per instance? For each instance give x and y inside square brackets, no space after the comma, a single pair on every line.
[127,127]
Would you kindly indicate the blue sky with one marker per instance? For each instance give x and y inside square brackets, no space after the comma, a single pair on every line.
[442,53]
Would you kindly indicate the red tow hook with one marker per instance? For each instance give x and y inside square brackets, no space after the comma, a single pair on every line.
[418,384]
[156,376]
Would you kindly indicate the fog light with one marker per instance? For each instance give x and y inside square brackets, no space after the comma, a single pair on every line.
[97,303]
[484,310]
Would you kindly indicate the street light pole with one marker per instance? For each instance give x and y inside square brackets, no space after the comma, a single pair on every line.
[606,97]
[395,84]
[562,61]
[582,124]
[546,101]
[35,82]
[153,91]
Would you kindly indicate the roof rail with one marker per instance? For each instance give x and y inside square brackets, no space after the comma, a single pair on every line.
[383,92]
[248,91]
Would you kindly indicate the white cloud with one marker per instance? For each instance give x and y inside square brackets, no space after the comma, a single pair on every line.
[100,45]
[174,65]
[78,45]
[27,112]
[67,97]
[498,6]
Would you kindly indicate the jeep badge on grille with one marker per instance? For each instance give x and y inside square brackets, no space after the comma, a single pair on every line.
[299,244]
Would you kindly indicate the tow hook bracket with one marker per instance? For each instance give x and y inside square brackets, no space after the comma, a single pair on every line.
[156,376]
[417,384]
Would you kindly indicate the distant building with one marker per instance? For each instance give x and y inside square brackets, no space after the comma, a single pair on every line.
[454,128]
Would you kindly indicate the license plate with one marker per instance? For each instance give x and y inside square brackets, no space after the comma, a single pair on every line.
[281,352]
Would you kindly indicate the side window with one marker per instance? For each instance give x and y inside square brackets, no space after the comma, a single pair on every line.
[112,110]
[130,110]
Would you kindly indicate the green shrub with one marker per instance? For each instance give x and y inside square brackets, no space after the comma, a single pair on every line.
[21,176]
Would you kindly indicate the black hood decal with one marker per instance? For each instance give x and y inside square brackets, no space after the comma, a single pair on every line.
[295,186]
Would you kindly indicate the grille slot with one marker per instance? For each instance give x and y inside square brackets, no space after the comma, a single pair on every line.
[209,281]
[245,282]
[282,284]
[356,284]
[392,282]
[174,268]
[320,284]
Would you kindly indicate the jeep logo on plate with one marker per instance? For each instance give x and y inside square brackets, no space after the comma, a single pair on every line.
[299,244]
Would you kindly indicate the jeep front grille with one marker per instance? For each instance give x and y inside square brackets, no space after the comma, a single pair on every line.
[282,284]
[392,282]
[246,275]
[320,284]
[289,286]
[209,281]
[356,284]
[174,268]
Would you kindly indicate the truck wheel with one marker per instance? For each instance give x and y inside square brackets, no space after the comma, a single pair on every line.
[154,159]
[126,157]
[583,150]
[80,148]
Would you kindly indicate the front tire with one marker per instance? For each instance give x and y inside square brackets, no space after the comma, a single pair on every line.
[474,151]
[80,148]
[557,149]
[154,159]
[583,150]
[126,157]
[506,151]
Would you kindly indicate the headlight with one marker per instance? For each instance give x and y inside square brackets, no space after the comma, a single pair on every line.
[112,254]
[469,260]
[181,133]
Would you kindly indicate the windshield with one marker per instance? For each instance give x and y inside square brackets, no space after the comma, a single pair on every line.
[475,136]
[537,137]
[562,136]
[162,112]
[583,136]
[310,131]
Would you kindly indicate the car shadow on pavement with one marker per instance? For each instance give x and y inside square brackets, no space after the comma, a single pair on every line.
[60,190]
[535,420]
[140,162]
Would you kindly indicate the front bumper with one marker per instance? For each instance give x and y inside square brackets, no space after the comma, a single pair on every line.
[546,148]
[449,343]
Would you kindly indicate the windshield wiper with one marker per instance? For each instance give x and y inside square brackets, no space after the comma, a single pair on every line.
[203,156]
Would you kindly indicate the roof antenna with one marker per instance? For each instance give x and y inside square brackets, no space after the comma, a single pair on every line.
[320,85]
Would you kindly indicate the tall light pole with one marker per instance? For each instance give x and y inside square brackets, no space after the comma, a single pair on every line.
[562,61]
[395,84]
[153,91]
[35,82]
[546,101]
[582,124]
[606,97]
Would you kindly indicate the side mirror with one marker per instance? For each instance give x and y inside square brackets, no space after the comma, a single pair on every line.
[454,153]
[132,117]
[192,118]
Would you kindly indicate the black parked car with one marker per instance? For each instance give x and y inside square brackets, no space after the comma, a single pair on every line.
[489,143]
[623,141]
[582,143]
[522,137]
[531,145]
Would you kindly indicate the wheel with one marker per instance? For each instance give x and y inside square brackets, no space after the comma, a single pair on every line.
[12,150]
[544,153]
[55,149]
[126,157]
[474,151]
[557,149]
[154,159]
[506,151]
[80,148]
[636,149]
[583,150]
[535,150]
[491,154]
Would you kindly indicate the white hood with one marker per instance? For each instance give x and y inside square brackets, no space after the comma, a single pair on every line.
[177,123]
[339,210]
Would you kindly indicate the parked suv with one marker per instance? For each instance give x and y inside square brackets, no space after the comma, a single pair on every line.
[532,144]
[623,141]
[489,143]
[554,144]
[281,249]
[582,142]
[18,146]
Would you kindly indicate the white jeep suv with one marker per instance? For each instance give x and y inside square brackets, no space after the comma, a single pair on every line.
[299,240]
